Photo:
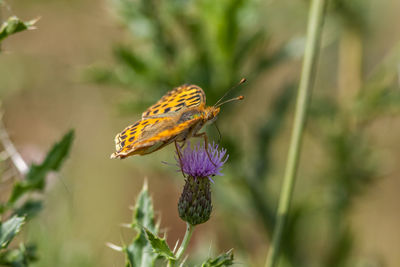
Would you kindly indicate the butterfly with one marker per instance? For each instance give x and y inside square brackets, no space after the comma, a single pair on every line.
[177,116]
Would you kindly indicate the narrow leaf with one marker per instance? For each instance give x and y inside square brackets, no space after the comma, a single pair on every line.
[35,179]
[129,58]
[9,229]
[29,209]
[14,25]
[159,245]
[225,259]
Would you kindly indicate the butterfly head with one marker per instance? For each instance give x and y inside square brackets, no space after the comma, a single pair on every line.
[210,114]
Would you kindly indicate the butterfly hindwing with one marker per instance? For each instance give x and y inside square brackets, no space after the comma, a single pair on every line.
[137,132]
[169,133]
[147,135]
[182,97]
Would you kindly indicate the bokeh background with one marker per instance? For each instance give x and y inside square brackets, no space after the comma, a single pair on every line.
[95,65]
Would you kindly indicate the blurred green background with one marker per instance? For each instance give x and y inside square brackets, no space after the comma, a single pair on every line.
[96,65]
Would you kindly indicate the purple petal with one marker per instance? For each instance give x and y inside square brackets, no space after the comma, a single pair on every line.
[196,162]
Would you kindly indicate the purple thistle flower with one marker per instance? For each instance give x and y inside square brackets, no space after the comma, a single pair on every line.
[196,163]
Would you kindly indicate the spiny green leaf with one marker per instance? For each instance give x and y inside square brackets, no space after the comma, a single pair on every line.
[159,245]
[225,259]
[35,179]
[9,229]
[139,252]
[144,213]
[14,25]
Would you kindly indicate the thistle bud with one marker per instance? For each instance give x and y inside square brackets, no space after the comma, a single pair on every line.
[194,205]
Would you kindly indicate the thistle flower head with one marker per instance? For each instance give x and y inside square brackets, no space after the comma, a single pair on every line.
[196,162]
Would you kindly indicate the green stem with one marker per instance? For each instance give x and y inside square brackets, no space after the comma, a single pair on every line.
[185,243]
[315,24]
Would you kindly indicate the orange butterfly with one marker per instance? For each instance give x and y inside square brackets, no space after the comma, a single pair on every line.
[177,116]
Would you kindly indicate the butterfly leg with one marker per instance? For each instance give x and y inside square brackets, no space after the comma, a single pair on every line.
[204,135]
[178,151]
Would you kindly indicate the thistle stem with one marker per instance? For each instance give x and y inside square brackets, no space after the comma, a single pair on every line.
[314,30]
[185,241]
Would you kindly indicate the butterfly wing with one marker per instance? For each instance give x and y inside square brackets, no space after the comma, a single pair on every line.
[181,98]
[171,117]
[137,132]
[150,134]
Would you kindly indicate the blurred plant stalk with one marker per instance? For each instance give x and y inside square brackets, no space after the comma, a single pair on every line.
[350,66]
[12,152]
[315,25]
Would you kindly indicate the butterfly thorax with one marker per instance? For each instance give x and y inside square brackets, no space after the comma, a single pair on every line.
[197,119]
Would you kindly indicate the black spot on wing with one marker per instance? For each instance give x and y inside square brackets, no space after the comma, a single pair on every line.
[193,97]
[166,110]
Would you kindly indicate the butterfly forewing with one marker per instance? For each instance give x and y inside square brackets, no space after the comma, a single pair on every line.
[182,97]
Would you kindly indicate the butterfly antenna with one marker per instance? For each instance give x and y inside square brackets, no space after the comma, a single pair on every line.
[230,100]
[243,80]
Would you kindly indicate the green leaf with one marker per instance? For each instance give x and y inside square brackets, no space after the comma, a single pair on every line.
[14,25]
[129,58]
[19,257]
[139,252]
[225,259]
[35,179]
[159,245]
[144,213]
[9,229]
[29,209]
